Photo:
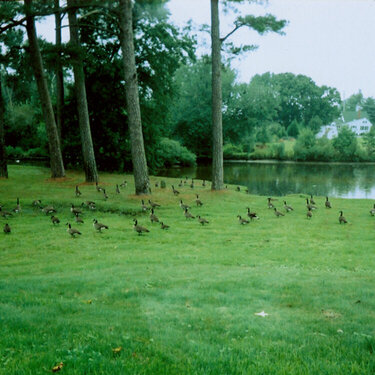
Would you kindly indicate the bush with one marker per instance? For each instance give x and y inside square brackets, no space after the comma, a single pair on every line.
[233,152]
[169,152]
[293,129]
[278,151]
[345,145]
[304,147]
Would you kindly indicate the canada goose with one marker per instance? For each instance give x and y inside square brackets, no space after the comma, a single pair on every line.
[312,200]
[78,219]
[7,229]
[372,211]
[242,221]
[270,205]
[98,188]
[252,215]
[55,220]
[5,214]
[17,209]
[192,183]
[78,193]
[157,184]
[99,226]
[309,213]
[75,211]
[202,220]
[89,204]
[238,188]
[153,204]
[342,218]
[188,215]
[278,213]
[48,210]
[204,183]
[198,201]
[310,206]
[184,206]
[328,203]
[287,208]
[72,231]
[117,189]
[139,229]
[36,203]
[143,206]
[180,184]
[175,192]
[153,217]
[247,191]
[105,194]
[124,184]
[164,226]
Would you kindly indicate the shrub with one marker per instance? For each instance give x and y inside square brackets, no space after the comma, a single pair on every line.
[278,151]
[345,145]
[304,147]
[170,152]
[293,129]
[234,152]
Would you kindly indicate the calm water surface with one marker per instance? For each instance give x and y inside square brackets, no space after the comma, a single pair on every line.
[277,178]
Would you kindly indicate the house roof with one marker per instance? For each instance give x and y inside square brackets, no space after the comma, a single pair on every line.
[353,115]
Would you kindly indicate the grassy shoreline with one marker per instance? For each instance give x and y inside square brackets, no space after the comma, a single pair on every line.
[183,301]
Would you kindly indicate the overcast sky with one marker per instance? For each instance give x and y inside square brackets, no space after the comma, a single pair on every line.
[331,41]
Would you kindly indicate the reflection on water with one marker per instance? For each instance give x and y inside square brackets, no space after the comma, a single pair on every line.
[275,178]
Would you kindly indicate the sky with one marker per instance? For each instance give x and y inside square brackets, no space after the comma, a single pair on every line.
[330,41]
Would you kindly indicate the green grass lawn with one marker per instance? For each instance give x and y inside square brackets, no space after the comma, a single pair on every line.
[183,301]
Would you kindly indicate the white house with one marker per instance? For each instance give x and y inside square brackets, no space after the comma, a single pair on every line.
[358,127]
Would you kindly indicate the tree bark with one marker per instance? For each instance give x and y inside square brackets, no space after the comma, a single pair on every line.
[59,72]
[57,166]
[3,154]
[141,179]
[217,119]
[80,89]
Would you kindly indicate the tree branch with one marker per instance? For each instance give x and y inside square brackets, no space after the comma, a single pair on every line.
[13,23]
[229,34]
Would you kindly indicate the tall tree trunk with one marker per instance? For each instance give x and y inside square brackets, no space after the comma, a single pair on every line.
[217,119]
[59,72]
[57,166]
[83,112]
[141,178]
[3,154]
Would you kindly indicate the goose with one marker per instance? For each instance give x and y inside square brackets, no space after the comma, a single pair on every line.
[78,219]
[164,226]
[36,203]
[99,226]
[202,220]
[75,211]
[270,204]
[153,217]
[17,209]
[105,194]
[309,213]
[198,201]
[242,221]
[55,220]
[180,184]
[192,183]
[310,206]
[138,228]
[5,214]
[287,208]
[143,206]
[124,184]
[72,231]
[175,192]
[156,184]
[48,210]
[7,229]
[278,213]
[342,218]
[252,215]
[78,193]
[117,189]
[328,203]
[153,204]
[188,215]
[90,204]
[238,188]
[312,200]
[372,211]
[247,191]
[184,206]
[204,183]
[98,188]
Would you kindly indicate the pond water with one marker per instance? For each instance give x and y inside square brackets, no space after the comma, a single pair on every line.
[354,180]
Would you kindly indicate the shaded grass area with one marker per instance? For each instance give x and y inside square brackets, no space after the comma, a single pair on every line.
[183,301]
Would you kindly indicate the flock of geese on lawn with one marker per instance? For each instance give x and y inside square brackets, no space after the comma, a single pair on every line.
[152,206]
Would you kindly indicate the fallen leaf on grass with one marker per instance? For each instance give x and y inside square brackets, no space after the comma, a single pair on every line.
[262,314]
